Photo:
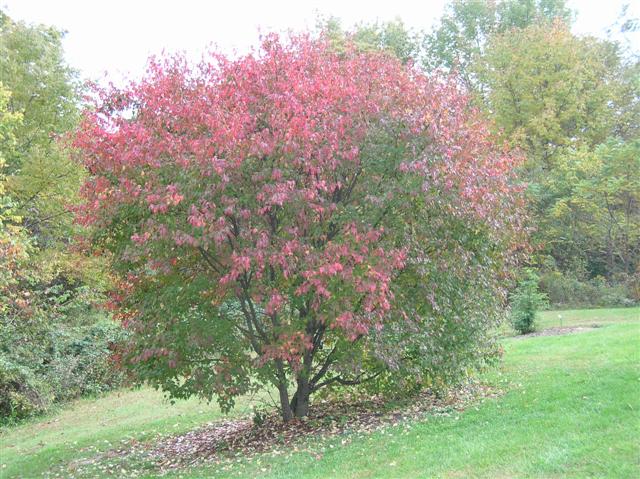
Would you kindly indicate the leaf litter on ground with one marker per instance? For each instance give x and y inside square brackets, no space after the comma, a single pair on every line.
[232,442]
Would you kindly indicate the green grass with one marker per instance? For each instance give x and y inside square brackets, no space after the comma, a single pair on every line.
[578,318]
[586,317]
[571,409]
[90,425]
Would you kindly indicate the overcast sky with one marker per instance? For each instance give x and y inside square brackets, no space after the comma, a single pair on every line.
[117,36]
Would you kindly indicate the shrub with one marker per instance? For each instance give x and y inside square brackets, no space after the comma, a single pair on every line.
[65,362]
[21,393]
[81,362]
[300,218]
[566,291]
[58,349]
[526,301]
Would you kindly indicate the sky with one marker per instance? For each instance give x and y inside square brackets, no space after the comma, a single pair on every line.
[115,37]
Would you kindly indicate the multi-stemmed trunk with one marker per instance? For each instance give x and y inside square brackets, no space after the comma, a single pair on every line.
[300,400]
[312,375]
[298,405]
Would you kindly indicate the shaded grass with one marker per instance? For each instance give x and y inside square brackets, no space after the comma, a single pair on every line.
[571,410]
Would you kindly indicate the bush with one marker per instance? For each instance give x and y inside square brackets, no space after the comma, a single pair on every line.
[58,349]
[48,362]
[526,300]
[21,394]
[566,291]
[82,363]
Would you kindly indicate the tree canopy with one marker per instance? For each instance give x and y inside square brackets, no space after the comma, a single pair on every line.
[568,103]
[45,92]
[467,25]
[300,216]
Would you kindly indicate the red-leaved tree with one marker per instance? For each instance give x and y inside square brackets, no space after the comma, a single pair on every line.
[299,218]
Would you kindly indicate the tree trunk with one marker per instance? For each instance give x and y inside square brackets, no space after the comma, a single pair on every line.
[299,405]
[285,407]
[300,400]
[281,384]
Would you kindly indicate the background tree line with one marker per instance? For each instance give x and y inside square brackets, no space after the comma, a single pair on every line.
[54,337]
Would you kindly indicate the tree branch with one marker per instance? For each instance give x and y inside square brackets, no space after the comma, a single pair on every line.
[346,382]
[209,259]
[323,369]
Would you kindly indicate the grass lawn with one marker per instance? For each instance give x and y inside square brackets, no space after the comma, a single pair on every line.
[571,409]
[91,425]
[586,317]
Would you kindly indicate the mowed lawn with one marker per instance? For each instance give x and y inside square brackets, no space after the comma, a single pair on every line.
[571,408]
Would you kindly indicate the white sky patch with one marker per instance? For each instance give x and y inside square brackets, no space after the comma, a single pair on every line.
[116,37]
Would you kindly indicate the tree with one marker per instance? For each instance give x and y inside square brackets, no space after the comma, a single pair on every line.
[596,214]
[44,90]
[40,178]
[557,97]
[13,241]
[300,217]
[467,25]
[391,37]
[549,90]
